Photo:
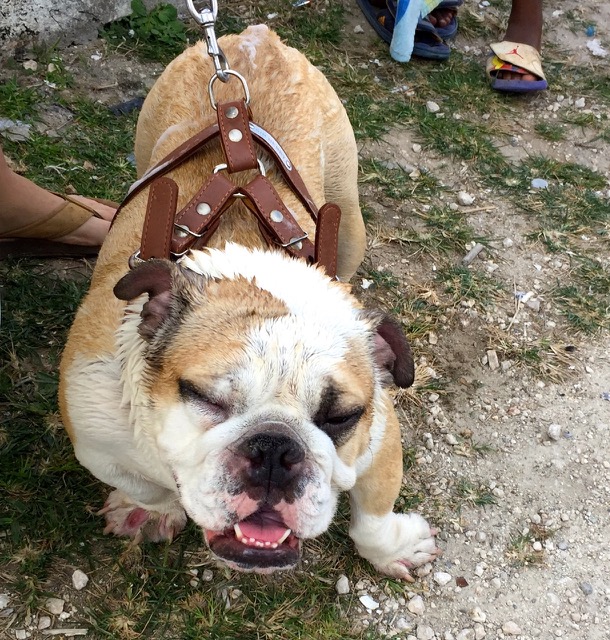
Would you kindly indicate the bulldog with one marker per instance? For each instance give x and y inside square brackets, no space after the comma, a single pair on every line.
[240,386]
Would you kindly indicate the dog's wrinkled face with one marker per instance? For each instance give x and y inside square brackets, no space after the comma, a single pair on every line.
[260,399]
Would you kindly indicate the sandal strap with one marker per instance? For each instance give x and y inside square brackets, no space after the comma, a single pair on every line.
[520,55]
[65,219]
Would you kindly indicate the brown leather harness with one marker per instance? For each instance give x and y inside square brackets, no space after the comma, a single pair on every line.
[167,234]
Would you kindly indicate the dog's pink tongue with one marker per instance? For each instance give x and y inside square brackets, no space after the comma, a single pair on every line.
[263,531]
[266,525]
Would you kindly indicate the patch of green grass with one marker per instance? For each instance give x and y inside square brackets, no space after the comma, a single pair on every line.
[90,158]
[36,458]
[314,25]
[153,35]
[465,284]
[550,131]
[472,494]
[520,549]
[396,184]
[17,102]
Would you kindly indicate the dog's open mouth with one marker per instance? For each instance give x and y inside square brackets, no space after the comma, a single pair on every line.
[261,541]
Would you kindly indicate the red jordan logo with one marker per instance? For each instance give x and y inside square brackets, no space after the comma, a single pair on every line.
[514,52]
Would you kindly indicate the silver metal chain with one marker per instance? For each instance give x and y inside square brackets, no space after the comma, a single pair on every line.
[206,18]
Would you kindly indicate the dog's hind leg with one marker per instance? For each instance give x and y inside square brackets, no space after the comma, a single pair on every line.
[341,187]
[392,542]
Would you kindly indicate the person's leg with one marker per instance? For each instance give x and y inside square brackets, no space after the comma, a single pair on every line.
[525,27]
[22,203]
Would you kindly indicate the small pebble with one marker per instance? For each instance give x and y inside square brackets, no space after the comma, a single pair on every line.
[478,615]
[44,622]
[511,628]
[537,546]
[79,579]
[554,431]
[416,148]
[54,605]
[492,360]
[441,578]
[464,198]
[432,107]
[586,588]
[416,605]
[539,183]
[368,602]
[342,585]
[424,632]
[358,29]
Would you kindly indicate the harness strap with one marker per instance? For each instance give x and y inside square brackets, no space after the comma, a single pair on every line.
[202,212]
[235,136]
[276,221]
[327,237]
[159,220]
[195,223]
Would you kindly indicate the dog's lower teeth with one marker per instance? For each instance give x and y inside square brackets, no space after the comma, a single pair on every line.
[274,545]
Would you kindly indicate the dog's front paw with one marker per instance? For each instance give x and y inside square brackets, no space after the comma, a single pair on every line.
[125,518]
[400,542]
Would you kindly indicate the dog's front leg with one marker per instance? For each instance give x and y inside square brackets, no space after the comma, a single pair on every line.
[392,542]
[138,507]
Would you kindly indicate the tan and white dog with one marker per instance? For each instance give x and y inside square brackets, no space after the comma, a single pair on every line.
[242,386]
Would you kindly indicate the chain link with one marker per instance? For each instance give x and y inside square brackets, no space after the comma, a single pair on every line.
[207,18]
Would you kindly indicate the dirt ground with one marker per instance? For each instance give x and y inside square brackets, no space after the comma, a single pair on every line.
[536,563]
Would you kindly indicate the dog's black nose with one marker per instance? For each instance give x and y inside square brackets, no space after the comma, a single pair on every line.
[274,459]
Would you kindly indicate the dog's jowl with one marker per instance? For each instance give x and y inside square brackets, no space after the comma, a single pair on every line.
[241,386]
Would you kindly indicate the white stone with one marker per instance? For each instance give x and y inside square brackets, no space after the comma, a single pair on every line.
[54,605]
[478,615]
[492,360]
[4,600]
[479,632]
[207,575]
[512,628]
[44,622]
[465,634]
[432,106]
[416,147]
[79,579]
[451,439]
[579,103]
[358,29]
[442,578]
[342,585]
[554,431]
[537,546]
[424,632]
[368,602]
[21,634]
[416,605]
[465,199]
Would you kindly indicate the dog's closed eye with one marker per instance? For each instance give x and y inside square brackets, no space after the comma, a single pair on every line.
[189,392]
[338,426]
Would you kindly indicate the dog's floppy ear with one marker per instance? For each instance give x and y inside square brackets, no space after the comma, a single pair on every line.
[392,351]
[154,277]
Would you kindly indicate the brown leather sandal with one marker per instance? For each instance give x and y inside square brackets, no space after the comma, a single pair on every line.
[37,239]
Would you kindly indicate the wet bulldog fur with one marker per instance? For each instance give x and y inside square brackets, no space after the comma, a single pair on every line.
[242,387]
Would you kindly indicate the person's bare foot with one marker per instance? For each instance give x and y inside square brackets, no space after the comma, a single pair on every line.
[525,27]
[441,17]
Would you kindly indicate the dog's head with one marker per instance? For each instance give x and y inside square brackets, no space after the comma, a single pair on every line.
[260,382]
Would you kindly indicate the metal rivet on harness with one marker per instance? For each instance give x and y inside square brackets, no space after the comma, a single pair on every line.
[203,209]
[231,112]
[235,135]
[276,216]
